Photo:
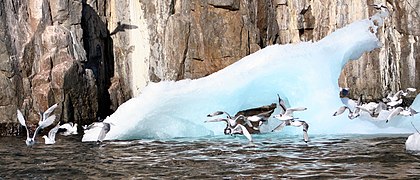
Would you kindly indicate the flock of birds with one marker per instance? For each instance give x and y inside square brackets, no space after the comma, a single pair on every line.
[241,124]
[66,129]
[390,106]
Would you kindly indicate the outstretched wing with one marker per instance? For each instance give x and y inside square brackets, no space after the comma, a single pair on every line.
[289,112]
[341,110]
[49,110]
[22,122]
[245,132]
[394,113]
[217,120]
[279,127]
[105,129]
[305,131]
[44,124]
[53,132]
[282,105]
[219,113]
[21,118]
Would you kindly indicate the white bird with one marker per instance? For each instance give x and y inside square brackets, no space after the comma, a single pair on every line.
[46,114]
[50,139]
[408,112]
[288,120]
[232,127]
[31,140]
[296,123]
[286,113]
[71,129]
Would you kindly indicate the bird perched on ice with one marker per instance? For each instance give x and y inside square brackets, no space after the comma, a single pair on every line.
[46,114]
[45,123]
[50,139]
[70,129]
[288,120]
[232,127]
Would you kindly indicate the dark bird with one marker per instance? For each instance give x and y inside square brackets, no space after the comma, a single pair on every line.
[122,27]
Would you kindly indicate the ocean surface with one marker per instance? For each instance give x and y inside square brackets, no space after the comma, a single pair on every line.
[272,155]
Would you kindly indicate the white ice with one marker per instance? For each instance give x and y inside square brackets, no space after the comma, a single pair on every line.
[304,74]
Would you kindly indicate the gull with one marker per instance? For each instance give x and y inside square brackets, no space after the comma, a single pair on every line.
[296,123]
[286,113]
[288,120]
[259,119]
[70,128]
[232,127]
[46,114]
[50,139]
[379,6]
[408,112]
[31,140]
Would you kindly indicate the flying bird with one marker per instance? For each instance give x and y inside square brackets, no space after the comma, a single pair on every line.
[70,128]
[50,139]
[31,140]
[295,123]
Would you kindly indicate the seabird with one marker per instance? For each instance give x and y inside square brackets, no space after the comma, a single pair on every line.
[296,123]
[408,112]
[379,6]
[46,114]
[45,123]
[70,128]
[286,113]
[50,139]
[288,120]
[232,127]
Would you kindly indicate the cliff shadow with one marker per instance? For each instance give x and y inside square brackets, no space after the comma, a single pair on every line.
[100,56]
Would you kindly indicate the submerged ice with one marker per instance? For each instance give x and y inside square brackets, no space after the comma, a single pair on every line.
[303,74]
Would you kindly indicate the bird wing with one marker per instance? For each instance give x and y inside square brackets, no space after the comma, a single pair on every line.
[47,122]
[305,136]
[20,117]
[282,105]
[49,110]
[364,109]
[105,129]
[22,122]
[66,126]
[289,112]
[245,132]
[340,110]
[394,113]
[279,127]
[360,100]
[53,132]
[217,120]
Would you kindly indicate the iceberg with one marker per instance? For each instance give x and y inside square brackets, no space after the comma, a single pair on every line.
[413,142]
[303,74]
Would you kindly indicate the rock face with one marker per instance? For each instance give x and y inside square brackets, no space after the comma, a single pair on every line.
[91,56]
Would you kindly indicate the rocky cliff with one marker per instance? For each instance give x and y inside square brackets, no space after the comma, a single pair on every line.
[90,56]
